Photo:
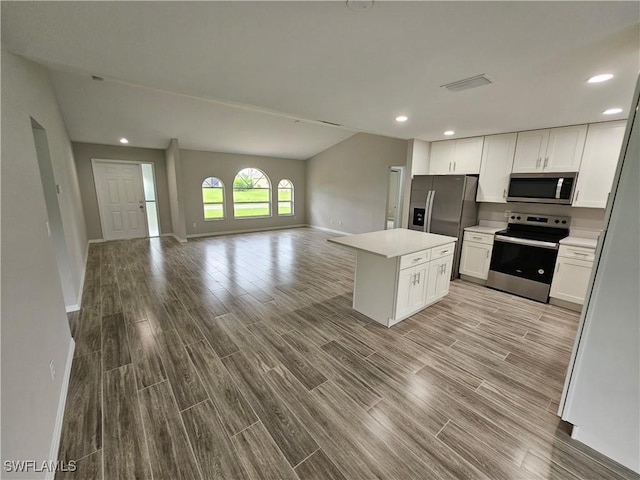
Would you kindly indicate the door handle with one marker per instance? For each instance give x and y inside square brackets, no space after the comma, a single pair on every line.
[546,161]
[141,207]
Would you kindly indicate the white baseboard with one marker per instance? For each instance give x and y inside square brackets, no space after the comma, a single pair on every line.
[330,230]
[57,429]
[76,306]
[96,240]
[250,230]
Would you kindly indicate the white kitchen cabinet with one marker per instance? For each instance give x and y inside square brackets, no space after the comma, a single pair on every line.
[497,163]
[441,157]
[565,148]
[439,276]
[476,255]
[599,161]
[456,157]
[392,274]
[571,276]
[412,290]
[550,150]
[418,156]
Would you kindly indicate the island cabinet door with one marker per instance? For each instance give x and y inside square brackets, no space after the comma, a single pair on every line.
[418,291]
[438,278]
[403,300]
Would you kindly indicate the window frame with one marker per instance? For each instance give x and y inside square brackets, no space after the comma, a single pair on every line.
[291,188]
[204,203]
[269,192]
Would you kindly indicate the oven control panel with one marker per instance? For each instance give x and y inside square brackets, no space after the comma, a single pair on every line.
[541,220]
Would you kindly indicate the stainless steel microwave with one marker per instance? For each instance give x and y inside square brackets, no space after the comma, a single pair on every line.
[542,187]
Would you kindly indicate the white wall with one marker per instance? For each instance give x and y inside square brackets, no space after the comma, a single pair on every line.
[34,323]
[174,181]
[347,184]
[198,165]
[84,152]
[603,400]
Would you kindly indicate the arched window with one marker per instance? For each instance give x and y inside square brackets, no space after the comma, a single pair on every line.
[285,197]
[213,198]
[251,194]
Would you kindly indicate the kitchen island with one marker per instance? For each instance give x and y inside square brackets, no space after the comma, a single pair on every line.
[399,272]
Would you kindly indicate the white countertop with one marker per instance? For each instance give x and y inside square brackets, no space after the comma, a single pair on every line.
[574,241]
[393,243]
[483,229]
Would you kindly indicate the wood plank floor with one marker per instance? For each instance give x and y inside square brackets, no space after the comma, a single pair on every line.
[239,357]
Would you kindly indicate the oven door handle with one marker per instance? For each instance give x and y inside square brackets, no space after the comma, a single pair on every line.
[525,241]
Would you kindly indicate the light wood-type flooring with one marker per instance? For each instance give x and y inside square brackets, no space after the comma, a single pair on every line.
[239,357]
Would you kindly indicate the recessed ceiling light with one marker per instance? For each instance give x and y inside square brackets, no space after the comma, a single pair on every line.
[600,78]
[402,118]
[612,111]
[124,140]
[449,132]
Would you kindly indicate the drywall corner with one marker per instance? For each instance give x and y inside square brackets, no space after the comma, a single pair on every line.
[174,180]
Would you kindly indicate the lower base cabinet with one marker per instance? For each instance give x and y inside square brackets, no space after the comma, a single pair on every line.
[476,255]
[572,273]
[389,290]
[439,277]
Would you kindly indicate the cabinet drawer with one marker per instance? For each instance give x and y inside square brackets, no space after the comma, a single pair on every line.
[442,251]
[413,259]
[578,253]
[485,238]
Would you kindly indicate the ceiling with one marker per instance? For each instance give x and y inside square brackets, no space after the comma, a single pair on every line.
[235,76]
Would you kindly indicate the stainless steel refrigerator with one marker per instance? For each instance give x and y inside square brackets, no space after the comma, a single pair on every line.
[444,204]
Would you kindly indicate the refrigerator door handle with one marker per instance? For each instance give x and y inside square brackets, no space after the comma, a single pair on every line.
[429,211]
[425,226]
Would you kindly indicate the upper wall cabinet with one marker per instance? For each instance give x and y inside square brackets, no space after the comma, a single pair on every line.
[497,161]
[601,152]
[456,157]
[418,157]
[550,150]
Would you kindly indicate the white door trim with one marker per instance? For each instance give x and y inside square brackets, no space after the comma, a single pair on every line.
[95,161]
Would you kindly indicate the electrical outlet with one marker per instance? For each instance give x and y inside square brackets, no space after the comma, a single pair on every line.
[195,224]
[53,370]
[507,213]
[48,228]
[332,221]
[339,223]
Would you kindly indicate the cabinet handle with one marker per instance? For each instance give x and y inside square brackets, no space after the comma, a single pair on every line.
[487,254]
[558,268]
[454,166]
[577,195]
[419,275]
[582,254]
[449,166]
[504,193]
[417,259]
[413,279]
[546,161]
[538,162]
[477,238]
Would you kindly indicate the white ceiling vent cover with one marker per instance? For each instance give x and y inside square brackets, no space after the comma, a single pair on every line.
[467,83]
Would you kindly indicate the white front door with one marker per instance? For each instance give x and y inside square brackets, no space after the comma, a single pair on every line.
[120,199]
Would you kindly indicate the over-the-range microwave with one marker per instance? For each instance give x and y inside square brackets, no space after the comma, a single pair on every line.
[542,187]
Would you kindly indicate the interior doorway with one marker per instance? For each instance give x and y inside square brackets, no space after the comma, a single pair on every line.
[394,198]
[54,222]
[126,199]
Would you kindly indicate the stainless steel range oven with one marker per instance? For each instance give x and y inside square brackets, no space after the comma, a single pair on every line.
[524,255]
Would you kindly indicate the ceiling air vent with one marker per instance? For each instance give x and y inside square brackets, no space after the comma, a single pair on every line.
[467,83]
